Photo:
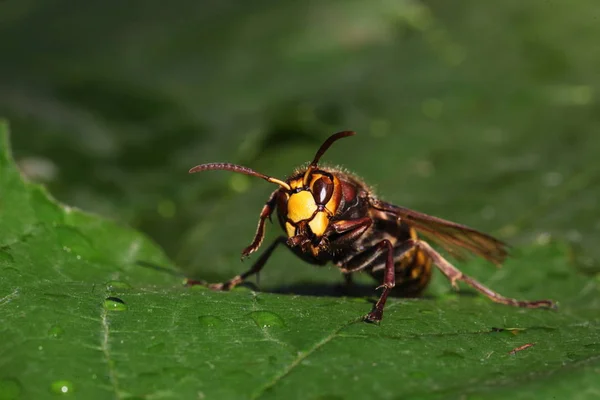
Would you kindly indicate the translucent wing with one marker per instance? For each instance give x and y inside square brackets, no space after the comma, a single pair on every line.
[455,238]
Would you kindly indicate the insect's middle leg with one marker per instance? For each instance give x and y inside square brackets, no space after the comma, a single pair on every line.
[366,260]
[255,269]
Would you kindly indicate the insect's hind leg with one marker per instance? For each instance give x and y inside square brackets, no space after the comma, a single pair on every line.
[236,280]
[455,275]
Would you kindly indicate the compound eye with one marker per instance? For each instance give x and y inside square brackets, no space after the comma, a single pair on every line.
[322,190]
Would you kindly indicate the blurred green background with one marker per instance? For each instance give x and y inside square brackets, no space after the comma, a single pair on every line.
[485,113]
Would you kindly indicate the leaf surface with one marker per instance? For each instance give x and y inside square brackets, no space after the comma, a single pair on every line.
[81,316]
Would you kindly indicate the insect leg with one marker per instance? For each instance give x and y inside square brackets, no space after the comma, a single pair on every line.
[389,277]
[348,231]
[260,230]
[255,269]
[454,275]
[357,226]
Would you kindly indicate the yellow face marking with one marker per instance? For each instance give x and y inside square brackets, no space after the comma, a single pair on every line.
[319,223]
[289,228]
[301,206]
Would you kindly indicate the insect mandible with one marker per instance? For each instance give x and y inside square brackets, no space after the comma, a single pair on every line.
[330,215]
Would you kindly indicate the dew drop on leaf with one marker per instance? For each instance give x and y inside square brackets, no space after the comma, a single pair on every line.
[56,331]
[210,320]
[266,319]
[61,387]
[10,389]
[114,304]
[116,285]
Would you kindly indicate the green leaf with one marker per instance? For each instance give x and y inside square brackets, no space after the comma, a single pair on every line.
[490,124]
[81,316]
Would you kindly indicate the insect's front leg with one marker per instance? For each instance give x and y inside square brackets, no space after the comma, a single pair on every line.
[260,229]
[236,280]
[347,231]
[454,275]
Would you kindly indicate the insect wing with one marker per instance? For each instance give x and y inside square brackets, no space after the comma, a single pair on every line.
[454,238]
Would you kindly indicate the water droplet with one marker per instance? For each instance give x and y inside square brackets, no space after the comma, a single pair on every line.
[61,387]
[266,319]
[10,389]
[112,286]
[56,331]
[114,304]
[210,320]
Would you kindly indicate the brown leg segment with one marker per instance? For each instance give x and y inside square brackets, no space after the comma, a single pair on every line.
[454,275]
[260,230]
[353,228]
[389,281]
[255,269]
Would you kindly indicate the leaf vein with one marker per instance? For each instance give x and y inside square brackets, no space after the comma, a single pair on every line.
[301,357]
[105,347]
[9,297]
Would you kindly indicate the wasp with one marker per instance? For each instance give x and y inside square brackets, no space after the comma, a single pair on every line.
[331,215]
